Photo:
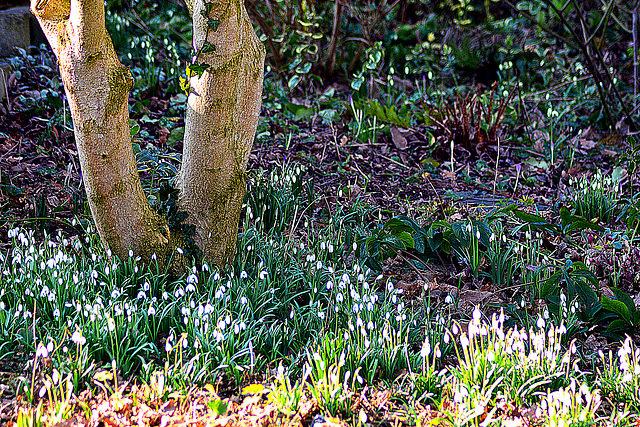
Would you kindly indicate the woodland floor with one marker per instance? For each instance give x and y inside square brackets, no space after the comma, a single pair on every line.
[41,183]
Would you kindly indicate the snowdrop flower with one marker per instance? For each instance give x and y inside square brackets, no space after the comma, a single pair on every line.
[42,351]
[220,292]
[77,338]
[477,314]
[540,323]
[243,300]
[180,251]
[448,299]
[111,324]
[243,274]
[426,349]
[464,341]
[151,311]
[263,274]
[458,396]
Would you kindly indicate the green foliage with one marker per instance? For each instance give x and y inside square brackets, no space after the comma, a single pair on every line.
[370,67]
[285,396]
[276,198]
[617,377]
[622,305]
[501,257]
[568,222]
[596,198]
[144,41]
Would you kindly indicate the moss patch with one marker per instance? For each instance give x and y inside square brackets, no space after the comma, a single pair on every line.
[120,83]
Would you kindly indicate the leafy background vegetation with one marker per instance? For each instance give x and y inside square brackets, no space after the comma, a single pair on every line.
[441,226]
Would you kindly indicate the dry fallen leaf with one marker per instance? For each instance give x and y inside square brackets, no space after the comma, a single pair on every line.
[448,175]
[398,139]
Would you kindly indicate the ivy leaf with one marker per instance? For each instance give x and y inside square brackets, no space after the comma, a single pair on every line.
[217,406]
[294,81]
[134,127]
[213,24]
[208,47]
[197,69]
[207,9]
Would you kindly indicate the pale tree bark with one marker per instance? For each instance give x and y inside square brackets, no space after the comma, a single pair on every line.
[221,121]
[97,87]
[220,127]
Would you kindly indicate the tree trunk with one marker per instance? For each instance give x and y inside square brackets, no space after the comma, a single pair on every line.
[97,87]
[220,127]
[221,121]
